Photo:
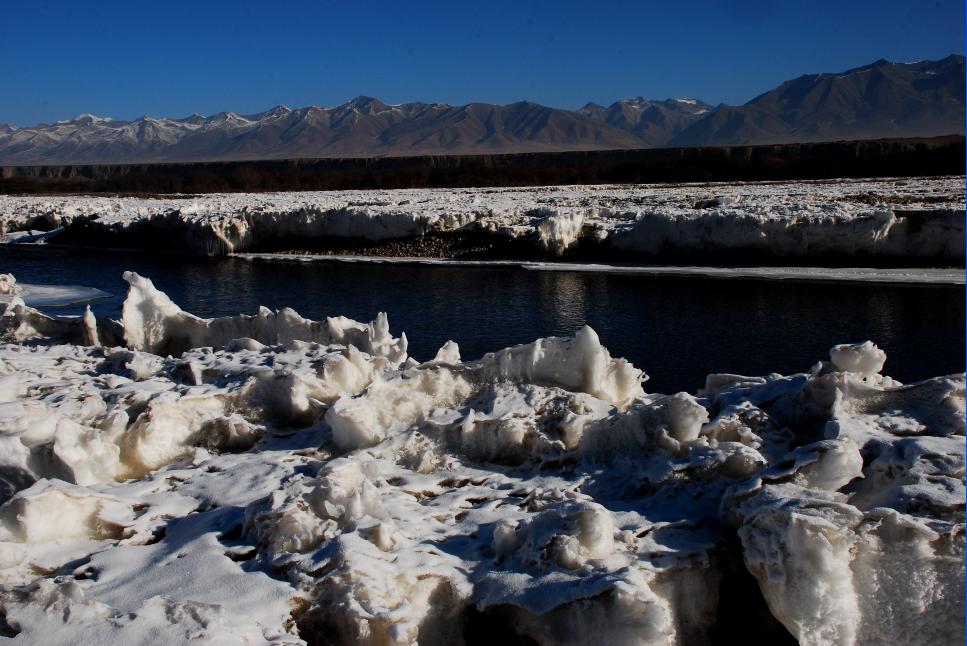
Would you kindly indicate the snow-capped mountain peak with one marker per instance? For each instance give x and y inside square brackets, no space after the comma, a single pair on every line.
[88,118]
[878,100]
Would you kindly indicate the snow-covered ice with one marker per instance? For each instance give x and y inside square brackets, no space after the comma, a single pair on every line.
[268,478]
[894,217]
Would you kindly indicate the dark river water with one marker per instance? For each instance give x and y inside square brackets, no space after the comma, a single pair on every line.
[677,329]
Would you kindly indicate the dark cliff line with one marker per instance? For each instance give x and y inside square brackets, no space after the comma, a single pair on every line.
[869,158]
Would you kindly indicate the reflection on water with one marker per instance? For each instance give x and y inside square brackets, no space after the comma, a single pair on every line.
[564,296]
[676,329]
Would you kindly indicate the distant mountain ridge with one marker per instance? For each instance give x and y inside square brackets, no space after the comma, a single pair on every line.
[882,99]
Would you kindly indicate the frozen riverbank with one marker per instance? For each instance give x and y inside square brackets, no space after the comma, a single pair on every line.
[539,491]
[880,222]
[888,275]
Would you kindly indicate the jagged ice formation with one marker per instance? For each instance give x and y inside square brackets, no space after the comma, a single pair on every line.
[268,478]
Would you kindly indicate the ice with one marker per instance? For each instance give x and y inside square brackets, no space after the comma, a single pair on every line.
[46,295]
[149,412]
[577,364]
[52,510]
[580,364]
[862,358]
[267,478]
[858,539]
[888,218]
[449,352]
[152,322]
[558,231]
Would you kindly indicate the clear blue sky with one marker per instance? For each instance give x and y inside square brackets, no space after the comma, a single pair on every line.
[125,59]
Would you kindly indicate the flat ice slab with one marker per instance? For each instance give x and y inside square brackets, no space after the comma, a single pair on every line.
[59,295]
[55,295]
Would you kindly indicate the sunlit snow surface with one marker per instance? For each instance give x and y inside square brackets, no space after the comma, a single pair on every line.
[173,479]
[893,217]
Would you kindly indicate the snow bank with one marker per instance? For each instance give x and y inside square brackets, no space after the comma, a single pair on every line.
[537,493]
[888,218]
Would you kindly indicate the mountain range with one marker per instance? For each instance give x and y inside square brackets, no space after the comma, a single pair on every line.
[879,100]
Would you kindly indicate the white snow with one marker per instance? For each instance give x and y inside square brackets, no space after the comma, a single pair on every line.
[268,478]
[915,217]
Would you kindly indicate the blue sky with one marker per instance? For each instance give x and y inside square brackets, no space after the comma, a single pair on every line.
[174,58]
